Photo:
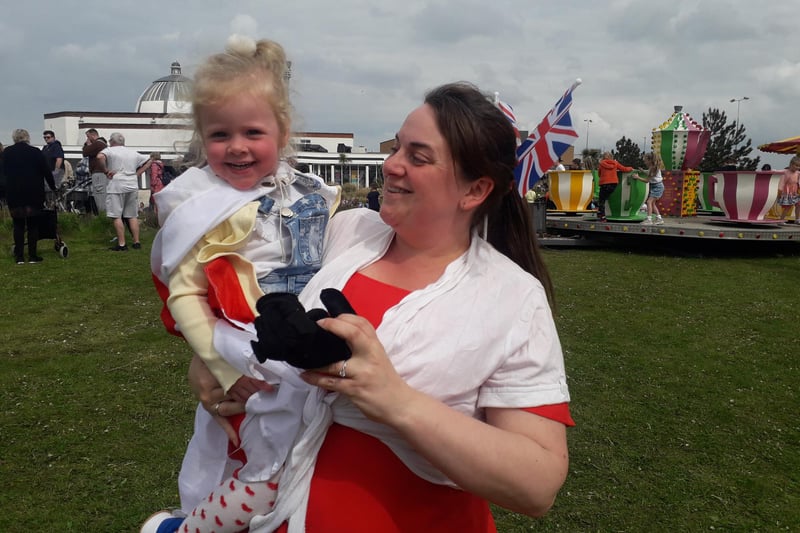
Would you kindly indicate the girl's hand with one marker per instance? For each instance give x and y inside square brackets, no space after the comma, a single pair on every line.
[245,387]
[368,378]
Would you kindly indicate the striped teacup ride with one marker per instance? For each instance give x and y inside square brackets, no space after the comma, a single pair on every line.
[627,198]
[704,200]
[571,190]
[745,196]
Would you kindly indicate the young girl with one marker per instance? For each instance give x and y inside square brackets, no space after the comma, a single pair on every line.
[656,181]
[788,190]
[608,181]
[241,225]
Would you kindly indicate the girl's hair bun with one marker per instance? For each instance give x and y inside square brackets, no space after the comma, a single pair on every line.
[240,44]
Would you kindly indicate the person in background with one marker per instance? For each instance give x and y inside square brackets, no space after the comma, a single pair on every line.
[654,166]
[608,181]
[91,148]
[729,164]
[2,178]
[788,190]
[766,166]
[374,198]
[576,164]
[560,165]
[240,225]
[54,154]
[124,166]
[155,169]
[456,389]
[27,172]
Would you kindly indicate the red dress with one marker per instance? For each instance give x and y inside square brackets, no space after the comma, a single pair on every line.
[359,484]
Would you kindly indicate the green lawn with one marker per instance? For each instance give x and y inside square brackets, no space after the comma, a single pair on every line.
[683,372]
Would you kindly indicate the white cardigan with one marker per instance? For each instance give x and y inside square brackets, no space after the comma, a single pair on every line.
[480,336]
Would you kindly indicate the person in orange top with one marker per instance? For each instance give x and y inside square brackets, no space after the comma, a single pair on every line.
[608,181]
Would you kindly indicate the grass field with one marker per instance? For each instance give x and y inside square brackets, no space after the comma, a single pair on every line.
[683,372]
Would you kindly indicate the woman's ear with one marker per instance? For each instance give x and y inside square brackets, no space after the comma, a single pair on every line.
[476,193]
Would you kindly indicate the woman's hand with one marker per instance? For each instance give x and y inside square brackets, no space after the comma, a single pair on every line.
[515,459]
[211,395]
[368,378]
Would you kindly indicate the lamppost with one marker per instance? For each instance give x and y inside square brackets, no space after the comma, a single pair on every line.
[738,103]
[587,121]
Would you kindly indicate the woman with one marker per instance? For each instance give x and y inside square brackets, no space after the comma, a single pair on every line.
[26,173]
[455,395]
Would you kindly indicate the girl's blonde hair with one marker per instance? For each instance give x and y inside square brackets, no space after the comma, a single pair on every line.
[258,68]
[653,162]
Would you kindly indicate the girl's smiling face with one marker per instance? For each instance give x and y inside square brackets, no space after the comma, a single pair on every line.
[242,140]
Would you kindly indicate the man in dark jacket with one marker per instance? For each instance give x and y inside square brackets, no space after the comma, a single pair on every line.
[26,172]
[54,154]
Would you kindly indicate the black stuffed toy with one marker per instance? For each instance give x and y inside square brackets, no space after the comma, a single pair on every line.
[286,332]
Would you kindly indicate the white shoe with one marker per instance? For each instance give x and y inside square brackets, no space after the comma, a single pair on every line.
[647,222]
[154,523]
[659,221]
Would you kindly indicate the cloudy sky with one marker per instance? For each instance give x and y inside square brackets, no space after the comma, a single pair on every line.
[359,66]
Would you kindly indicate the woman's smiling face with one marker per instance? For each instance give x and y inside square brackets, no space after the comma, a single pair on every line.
[420,183]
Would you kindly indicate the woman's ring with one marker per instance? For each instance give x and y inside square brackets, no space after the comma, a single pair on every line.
[216,408]
[343,370]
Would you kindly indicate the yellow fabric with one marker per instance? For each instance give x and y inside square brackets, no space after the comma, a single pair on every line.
[188,289]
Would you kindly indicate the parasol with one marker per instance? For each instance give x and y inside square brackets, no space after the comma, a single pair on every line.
[786,146]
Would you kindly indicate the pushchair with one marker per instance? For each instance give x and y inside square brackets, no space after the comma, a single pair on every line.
[48,219]
[76,198]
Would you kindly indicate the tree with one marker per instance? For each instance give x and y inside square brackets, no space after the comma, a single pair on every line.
[728,141]
[628,153]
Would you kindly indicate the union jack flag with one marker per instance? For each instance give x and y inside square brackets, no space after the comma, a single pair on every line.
[545,144]
[508,111]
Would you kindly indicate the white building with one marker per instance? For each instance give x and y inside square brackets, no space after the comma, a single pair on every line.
[162,123]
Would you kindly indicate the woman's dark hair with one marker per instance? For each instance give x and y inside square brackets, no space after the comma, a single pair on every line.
[483,143]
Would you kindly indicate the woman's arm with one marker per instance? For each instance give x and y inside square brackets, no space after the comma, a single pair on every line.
[515,459]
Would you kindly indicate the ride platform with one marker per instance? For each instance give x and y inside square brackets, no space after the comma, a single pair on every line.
[561,228]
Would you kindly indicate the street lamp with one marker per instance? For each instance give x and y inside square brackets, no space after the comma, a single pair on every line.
[738,103]
[587,121]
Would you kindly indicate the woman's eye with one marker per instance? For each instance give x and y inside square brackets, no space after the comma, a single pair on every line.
[417,159]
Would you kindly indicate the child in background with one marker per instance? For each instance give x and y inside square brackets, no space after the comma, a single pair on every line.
[232,229]
[788,190]
[656,181]
[608,181]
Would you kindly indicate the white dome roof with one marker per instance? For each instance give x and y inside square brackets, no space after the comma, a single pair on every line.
[170,94]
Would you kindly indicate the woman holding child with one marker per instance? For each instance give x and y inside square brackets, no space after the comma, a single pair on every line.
[455,395]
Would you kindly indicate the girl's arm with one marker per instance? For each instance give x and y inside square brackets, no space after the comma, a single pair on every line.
[188,304]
